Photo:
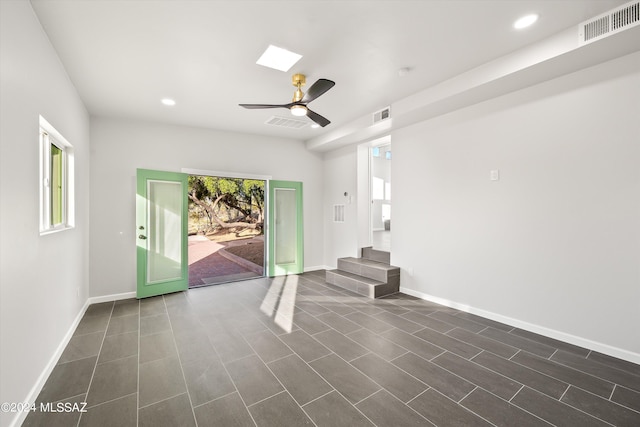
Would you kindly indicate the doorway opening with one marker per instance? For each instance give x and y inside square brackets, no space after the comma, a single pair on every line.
[381,197]
[374,183]
[226,240]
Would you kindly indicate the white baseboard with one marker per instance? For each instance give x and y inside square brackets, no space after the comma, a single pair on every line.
[44,375]
[113,297]
[317,267]
[547,332]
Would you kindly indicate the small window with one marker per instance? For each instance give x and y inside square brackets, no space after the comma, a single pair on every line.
[56,180]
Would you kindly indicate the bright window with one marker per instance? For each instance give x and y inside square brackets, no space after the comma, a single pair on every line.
[377,190]
[56,180]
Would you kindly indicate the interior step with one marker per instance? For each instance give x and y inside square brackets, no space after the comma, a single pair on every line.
[376,255]
[363,285]
[368,268]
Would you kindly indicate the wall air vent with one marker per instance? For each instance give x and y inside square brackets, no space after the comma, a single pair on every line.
[286,122]
[381,115]
[619,19]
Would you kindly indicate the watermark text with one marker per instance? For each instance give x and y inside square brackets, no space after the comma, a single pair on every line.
[43,407]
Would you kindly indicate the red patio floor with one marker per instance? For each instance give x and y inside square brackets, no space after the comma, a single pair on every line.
[207,267]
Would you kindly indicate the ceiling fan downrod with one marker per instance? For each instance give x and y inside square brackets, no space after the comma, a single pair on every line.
[298,80]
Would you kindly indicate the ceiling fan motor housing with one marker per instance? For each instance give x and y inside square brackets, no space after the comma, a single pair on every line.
[298,79]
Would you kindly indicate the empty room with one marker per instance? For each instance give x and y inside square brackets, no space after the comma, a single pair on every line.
[442,230]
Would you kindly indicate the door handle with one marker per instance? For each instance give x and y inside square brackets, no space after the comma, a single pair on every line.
[142,237]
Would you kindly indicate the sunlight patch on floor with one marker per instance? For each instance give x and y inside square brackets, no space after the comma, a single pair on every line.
[279,302]
[270,301]
[284,314]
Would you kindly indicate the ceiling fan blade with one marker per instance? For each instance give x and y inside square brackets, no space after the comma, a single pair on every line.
[257,106]
[322,121]
[317,89]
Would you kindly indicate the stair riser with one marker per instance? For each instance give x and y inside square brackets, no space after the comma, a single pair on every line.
[365,289]
[392,287]
[344,282]
[381,275]
[375,255]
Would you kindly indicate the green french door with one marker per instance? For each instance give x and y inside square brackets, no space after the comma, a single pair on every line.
[286,243]
[161,232]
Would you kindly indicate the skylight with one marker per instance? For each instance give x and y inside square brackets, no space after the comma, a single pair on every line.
[278,58]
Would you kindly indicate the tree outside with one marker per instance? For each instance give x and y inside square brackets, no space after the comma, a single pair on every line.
[226,229]
[220,205]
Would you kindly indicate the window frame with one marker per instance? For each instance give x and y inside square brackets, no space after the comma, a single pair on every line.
[49,137]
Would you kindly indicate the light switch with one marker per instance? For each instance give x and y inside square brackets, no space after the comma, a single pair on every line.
[495,175]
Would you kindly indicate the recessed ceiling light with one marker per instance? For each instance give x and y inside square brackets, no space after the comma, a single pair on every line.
[278,58]
[315,126]
[168,101]
[525,21]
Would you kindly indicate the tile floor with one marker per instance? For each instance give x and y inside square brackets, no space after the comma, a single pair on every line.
[295,351]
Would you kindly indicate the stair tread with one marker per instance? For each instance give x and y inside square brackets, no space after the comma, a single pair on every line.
[370,263]
[357,277]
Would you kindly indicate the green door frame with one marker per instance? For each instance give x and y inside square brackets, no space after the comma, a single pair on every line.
[180,281]
[297,266]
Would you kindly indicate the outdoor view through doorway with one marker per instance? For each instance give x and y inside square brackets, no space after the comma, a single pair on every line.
[226,229]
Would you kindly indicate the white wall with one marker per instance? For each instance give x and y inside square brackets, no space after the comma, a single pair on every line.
[555,243]
[340,176]
[39,275]
[119,147]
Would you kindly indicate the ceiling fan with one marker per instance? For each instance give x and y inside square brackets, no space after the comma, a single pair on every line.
[298,105]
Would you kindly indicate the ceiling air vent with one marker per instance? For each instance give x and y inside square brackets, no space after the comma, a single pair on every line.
[286,122]
[381,115]
[619,19]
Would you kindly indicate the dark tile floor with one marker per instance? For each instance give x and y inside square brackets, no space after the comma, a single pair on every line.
[295,351]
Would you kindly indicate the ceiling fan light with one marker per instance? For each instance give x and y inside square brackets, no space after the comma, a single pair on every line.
[298,110]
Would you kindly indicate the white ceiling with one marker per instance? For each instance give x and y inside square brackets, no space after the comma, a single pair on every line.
[124,56]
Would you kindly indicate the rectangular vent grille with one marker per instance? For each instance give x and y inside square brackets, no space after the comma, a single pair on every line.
[286,122]
[619,19]
[381,115]
[596,28]
[338,213]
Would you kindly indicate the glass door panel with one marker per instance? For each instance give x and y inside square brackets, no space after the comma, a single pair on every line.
[164,251]
[285,229]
